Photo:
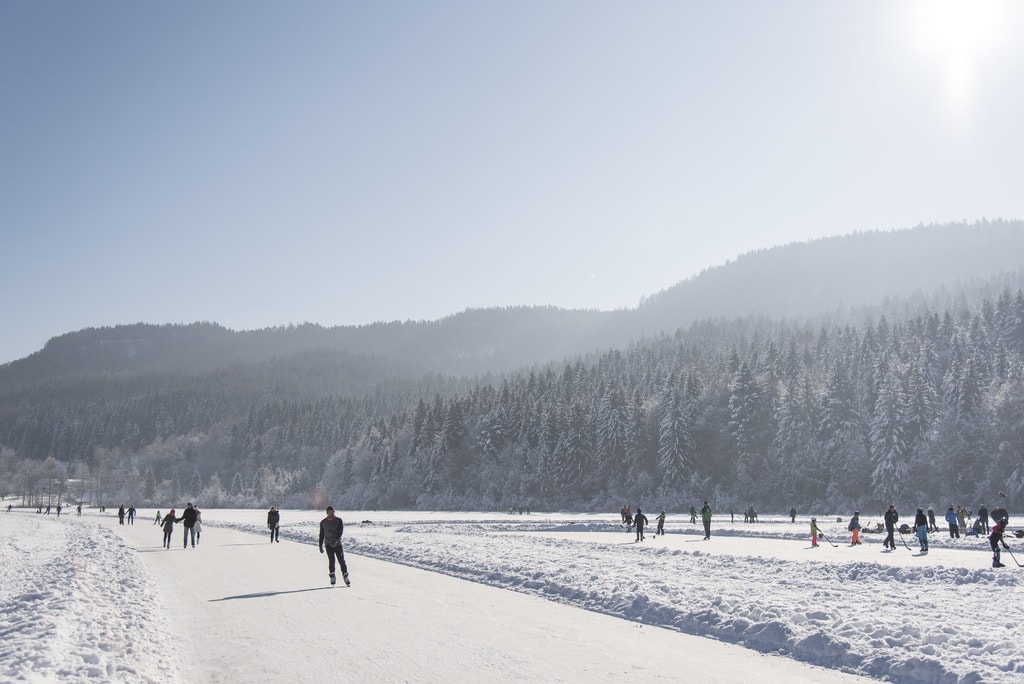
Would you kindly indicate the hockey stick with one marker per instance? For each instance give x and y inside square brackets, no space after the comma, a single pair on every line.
[822,536]
[903,539]
[1014,557]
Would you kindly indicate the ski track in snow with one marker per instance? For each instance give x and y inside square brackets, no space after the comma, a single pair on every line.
[76,605]
[932,623]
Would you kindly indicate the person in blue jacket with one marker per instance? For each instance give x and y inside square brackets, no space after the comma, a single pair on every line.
[954,523]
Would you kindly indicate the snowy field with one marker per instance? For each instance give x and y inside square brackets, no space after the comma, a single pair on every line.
[84,599]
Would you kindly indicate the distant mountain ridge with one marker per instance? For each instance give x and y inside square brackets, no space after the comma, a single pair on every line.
[791,281]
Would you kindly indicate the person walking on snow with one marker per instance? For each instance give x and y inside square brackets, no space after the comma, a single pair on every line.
[983,517]
[273,520]
[891,518]
[331,529]
[188,519]
[815,531]
[705,517]
[954,523]
[854,527]
[640,520]
[921,523]
[996,539]
[932,527]
[199,524]
[168,527]
[792,515]
[661,525]
[120,515]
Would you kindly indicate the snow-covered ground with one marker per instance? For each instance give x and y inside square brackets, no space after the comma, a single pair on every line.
[84,599]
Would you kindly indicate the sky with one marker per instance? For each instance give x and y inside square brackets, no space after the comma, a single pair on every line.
[261,163]
[471,597]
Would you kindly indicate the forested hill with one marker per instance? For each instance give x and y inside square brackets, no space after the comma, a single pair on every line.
[916,399]
[793,281]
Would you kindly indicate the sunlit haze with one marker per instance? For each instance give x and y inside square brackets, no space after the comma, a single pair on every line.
[263,163]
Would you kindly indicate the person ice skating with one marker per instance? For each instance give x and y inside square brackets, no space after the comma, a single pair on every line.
[854,528]
[995,539]
[932,527]
[954,525]
[961,518]
[79,510]
[640,520]
[8,508]
[120,515]
[815,531]
[792,515]
[331,529]
[131,515]
[705,517]
[661,524]
[891,518]
[188,519]
[158,518]
[168,527]
[693,515]
[921,523]
[983,517]
[199,524]
[273,521]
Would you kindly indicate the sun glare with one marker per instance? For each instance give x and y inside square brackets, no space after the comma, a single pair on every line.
[959,34]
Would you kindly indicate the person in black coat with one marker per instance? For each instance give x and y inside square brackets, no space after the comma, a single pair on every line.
[331,529]
[640,520]
[273,521]
[891,518]
[996,539]
[188,519]
[168,526]
[983,517]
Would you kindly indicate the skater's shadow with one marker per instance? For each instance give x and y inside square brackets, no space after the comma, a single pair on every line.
[246,544]
[265,594]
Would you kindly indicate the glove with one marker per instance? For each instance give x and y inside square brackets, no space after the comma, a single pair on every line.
[1006,547]
[321,549]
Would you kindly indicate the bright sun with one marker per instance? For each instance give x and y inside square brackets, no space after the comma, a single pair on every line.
[960,34]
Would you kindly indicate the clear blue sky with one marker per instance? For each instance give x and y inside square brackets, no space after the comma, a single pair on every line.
[264,163]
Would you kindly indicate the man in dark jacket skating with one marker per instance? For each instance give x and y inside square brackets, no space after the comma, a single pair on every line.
[331,529]
[273,522]
[640,520]
[891,518]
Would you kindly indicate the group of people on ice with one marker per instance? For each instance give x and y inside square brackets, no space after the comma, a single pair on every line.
[925,523]
[639,521]
[191,519]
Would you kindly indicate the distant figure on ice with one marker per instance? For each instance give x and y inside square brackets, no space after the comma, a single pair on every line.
[854,528]
[693,515]
[120,515]
[8,508]
[273,520]
[961,517]
[661,524]
[751,515]
[792,515]
[131,515]
[188,519]
[954,524]
[625,513]
[996,538]
[932,527]
[47,509]
[705,517]
[331,529]
[157,521]
[921,523]
[891,518]
[79,510]
[983,517]
[814,532]
[59,509]
[640,520]
[168,527]
[199,524]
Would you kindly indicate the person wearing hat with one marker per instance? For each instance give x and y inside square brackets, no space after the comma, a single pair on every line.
[996,539]
[891,518]
[814,532]
[854,527]
[661,524]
